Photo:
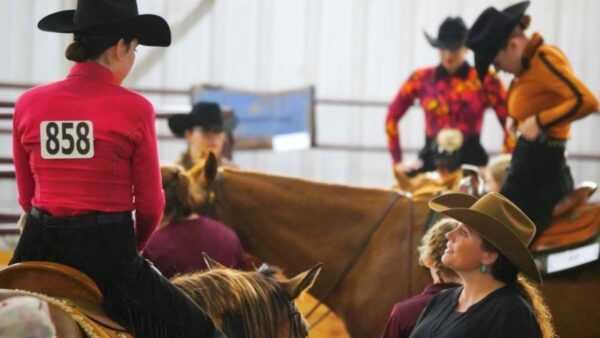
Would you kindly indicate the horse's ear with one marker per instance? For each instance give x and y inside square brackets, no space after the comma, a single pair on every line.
[206,169]
[295,286]
[196,171]
[211,166]
[211,264]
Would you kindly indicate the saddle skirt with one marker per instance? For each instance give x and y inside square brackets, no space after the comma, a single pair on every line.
[573,237]
[575,220]
[65,288]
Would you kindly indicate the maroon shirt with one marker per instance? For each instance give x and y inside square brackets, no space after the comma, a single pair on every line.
[405,314]
[100,154]
[178,247]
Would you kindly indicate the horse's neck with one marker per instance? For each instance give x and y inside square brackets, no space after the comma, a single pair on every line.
[295,223]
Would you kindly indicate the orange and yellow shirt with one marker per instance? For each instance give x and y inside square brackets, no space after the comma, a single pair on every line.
[548,89]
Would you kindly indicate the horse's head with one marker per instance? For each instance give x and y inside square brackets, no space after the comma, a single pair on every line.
[203,175]
[188,191]
[250,304]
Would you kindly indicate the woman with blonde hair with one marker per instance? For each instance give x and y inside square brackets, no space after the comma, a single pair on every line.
[488,250]
[405,314]
[184,235]
[496,172]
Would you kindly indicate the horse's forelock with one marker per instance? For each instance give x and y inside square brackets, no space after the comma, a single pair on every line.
[269,271]
[243,304]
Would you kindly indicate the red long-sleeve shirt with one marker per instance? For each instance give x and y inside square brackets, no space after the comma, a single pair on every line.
[449,101]
[122,173]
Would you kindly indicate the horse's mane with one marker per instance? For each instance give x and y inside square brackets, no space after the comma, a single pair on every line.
[242,304]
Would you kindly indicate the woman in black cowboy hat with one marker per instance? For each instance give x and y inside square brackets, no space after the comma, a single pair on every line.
[206,128]
[451,96]
[488,250]
[545,97]
[86,157]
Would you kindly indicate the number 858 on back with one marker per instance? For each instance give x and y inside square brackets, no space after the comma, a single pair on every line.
[67,139]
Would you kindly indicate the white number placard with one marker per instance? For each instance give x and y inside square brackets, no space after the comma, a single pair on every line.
[572,258]
[67,139]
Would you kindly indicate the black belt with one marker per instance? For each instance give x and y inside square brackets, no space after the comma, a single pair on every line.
[547,141]
[91,219]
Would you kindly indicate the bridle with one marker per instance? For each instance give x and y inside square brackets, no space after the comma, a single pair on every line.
[350,264]
[297,328]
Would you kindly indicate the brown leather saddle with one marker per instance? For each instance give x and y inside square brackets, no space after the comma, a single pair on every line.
[574,233]
[575,220]
[74,292]
[428,184]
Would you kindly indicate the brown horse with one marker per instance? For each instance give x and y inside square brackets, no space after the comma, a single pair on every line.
[366,239]
[249,304]
[242,304]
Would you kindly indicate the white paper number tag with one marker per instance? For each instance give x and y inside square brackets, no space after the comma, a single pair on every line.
[67,139]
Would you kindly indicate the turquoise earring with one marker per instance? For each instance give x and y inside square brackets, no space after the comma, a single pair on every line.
[484,268]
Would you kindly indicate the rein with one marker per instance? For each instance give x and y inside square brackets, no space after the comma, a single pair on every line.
[390,203]
[409,246]
[210,210]
[296,330]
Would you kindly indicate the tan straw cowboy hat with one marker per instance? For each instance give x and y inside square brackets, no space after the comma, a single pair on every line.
[498,221]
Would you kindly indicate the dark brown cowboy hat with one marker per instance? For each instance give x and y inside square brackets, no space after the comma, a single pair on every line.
[451,34]
[109,17]
[490,31]
[207,115]
[498,221]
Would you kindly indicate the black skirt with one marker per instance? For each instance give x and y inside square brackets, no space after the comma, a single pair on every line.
[537,179]
[135,293]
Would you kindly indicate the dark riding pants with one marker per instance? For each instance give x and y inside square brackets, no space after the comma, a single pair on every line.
[135,294]
[537,179]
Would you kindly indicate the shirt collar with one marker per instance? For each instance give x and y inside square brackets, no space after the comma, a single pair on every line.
[462,71]
[93,71]
[434,288]
[532,46]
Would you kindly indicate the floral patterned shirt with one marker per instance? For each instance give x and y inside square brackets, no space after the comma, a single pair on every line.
[449,101]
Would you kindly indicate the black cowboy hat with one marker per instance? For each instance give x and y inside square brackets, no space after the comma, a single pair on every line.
[490,31]
[204,114]
[109,17]
[451,34]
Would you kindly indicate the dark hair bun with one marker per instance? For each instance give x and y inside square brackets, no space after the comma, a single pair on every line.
[76,51]
[525,21]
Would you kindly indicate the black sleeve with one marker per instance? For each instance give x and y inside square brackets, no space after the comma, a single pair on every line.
[424,313]
[430,313]
[522,323]
[434,300]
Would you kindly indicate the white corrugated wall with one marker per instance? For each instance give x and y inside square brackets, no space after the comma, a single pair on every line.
[348,49]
